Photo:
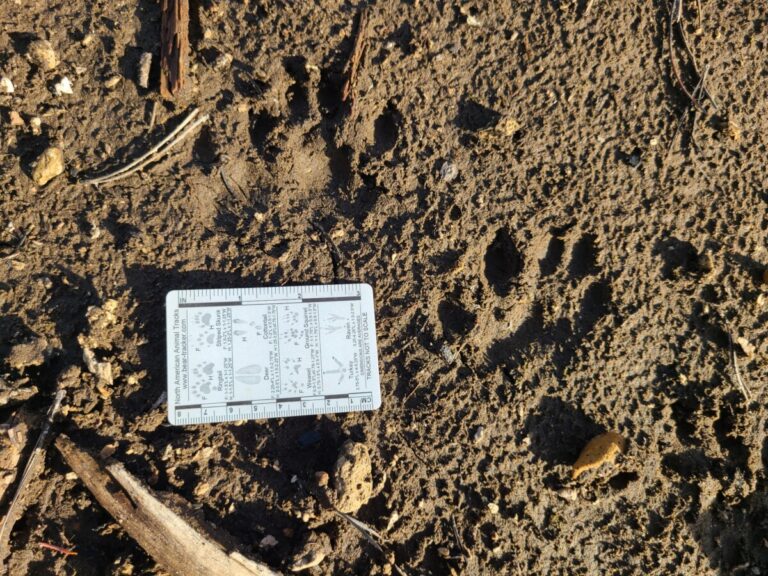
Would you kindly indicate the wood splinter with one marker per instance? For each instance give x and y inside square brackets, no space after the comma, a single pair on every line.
[174,47]
[356,57]
[163,532]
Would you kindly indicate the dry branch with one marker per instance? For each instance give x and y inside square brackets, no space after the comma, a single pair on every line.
[164,534]
[30,470]
[174,46]
[356,57]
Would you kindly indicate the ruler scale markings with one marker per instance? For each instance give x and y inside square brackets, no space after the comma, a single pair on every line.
[271,352]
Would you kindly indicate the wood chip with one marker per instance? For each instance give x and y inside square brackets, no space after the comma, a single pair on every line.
[174,50]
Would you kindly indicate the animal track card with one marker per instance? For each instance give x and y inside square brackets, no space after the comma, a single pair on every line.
[236,354]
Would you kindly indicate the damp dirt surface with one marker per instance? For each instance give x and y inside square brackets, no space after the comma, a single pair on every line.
[559,246]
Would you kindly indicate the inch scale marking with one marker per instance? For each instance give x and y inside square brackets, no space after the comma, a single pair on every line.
[275,352]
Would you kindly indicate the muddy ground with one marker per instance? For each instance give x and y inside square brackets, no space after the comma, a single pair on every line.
[580,265]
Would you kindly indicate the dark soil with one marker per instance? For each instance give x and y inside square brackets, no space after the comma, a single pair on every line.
[551,291]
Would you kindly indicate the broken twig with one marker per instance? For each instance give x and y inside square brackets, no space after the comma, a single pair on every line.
[180,548]
[30,470]
[356,57]
[183,130]
[174,49]
[59,549]
[676,18]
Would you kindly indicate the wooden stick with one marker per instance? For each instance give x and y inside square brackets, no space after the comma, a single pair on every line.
[163,533]
[174,47]
[30,470]
[356,57]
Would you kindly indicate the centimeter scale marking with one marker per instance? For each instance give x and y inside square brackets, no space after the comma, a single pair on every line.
[273,352]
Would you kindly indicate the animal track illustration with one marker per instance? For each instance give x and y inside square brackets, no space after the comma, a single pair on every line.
[203,375]
[206,331]
[250,375]
[245,328]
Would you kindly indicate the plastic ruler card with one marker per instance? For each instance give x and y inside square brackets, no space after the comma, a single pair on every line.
[248,353]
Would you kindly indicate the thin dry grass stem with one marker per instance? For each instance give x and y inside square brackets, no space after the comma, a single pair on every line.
[734,361]
[183,130]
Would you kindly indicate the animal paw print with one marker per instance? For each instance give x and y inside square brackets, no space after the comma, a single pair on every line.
[571,297]
[207,332]
[250,375]
[204,319]
[203,374]
[292,365]
[295,336]
[245,327]
[290,318]
[203,339]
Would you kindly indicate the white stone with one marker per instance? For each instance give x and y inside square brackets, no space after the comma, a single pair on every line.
[6,86]
[63,86]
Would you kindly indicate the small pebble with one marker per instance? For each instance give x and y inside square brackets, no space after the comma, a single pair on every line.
[41,53]
[49,165]
[112,82]
[449,171]
[508,126]
[6,86]
[223,61]
[108,451]
[746,347]
[322,478]
[473,21]
[70,476]
[393,518]
[268,542]
[36,124]
[493,508]
[447,354]
[202,489]
[87,40]
[568,494]
[15,119]
[63,86]
[479,435]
